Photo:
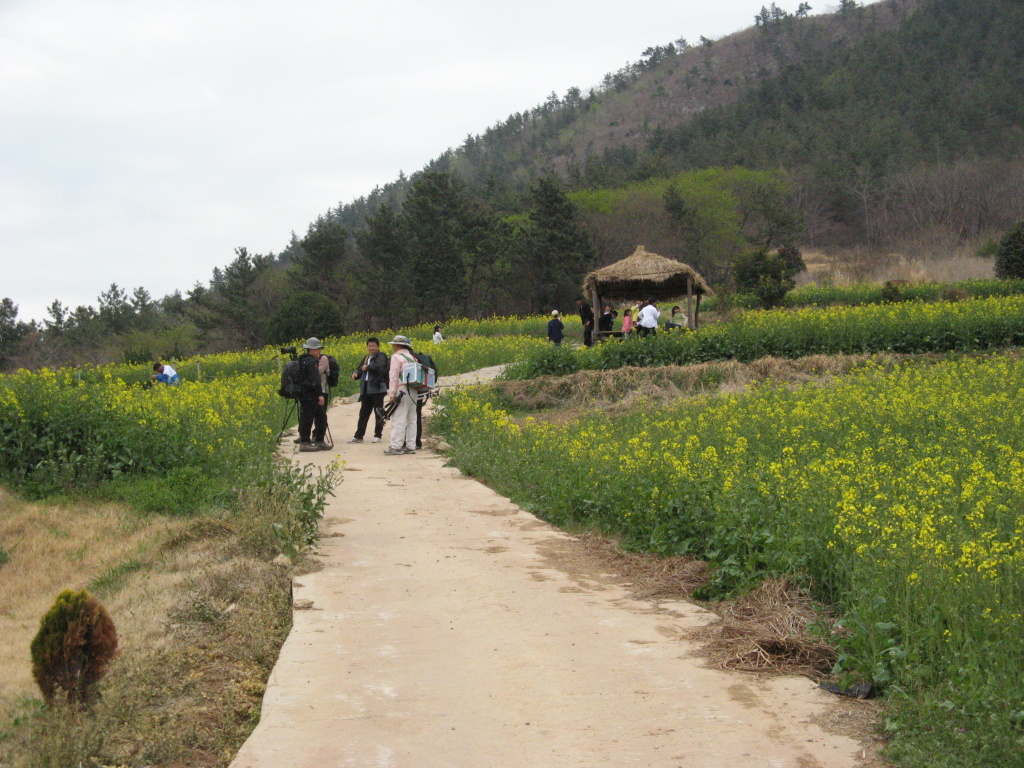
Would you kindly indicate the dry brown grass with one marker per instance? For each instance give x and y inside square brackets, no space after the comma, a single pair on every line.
[200,621]
[940,264]
[766,630]
[53,548]
[627,388]
[646,575]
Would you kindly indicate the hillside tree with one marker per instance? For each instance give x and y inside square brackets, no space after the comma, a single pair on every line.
[561,249]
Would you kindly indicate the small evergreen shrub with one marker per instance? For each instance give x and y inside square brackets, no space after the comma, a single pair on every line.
[769,275]
[1010,255]
[892,291]
[73,649]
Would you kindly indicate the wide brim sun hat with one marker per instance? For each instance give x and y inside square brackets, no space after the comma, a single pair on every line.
[312,343]
[554,313]
[402,341]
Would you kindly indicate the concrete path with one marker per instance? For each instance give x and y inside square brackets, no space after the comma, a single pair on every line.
[449,628]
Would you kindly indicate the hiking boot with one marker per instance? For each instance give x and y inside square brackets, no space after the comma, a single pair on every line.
[359,439]
[409,450]
[322,446]
[307,447]
[296,440]
[376,439]
[395,452]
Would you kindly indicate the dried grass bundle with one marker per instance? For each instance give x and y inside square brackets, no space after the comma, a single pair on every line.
[766,630]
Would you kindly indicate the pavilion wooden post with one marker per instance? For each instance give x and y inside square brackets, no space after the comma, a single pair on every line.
[696,313]
[691,319]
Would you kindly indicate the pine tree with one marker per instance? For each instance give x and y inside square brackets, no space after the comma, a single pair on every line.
[384,269]
[561,249]
[433,219]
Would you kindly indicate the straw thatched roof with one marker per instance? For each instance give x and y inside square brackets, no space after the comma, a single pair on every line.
[644,275]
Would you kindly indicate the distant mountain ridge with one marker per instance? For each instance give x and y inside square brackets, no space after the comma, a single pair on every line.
[845,101]
[668,87]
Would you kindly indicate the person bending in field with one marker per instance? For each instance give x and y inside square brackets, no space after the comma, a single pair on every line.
[165,375]
[372,375]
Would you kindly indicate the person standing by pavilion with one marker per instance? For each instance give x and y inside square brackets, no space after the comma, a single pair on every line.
[556,328]
[587,318]
[647,319]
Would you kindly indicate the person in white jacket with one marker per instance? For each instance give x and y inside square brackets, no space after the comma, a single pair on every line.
[403,417]
[647,319]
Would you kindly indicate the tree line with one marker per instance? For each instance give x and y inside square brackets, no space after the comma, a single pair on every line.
[442,252]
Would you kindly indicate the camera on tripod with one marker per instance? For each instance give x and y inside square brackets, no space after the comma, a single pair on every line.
[290,351]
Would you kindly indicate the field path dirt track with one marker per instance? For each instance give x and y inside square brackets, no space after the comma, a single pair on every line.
[447,628]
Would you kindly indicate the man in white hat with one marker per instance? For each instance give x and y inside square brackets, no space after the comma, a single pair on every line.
[312,413]
[403,417]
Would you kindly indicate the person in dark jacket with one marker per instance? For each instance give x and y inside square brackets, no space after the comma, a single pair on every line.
[312,413]
[587,318]
[606,321]
[372,375]
[556,328]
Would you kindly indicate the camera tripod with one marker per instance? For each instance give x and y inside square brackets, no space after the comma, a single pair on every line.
[289,410]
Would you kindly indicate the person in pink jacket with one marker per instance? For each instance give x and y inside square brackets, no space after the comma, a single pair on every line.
[403,418]
[627,322]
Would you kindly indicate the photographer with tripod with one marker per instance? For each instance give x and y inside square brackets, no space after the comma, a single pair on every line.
[313,399]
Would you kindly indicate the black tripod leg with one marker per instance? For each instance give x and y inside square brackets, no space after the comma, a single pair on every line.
[289,410]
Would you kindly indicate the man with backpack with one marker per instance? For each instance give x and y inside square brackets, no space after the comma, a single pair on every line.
[372,375]
[312,398]
[402,398]
[423,395]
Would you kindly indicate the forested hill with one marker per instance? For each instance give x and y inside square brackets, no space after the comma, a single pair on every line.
[863,92]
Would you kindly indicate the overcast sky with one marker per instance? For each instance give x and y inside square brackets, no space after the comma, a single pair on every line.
[142,142]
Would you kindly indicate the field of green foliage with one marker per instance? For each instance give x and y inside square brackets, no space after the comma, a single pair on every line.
[875,293]
[98,430]
[912,327]
[893,495]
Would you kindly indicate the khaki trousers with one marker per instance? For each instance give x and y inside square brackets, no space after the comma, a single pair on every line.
[403,421]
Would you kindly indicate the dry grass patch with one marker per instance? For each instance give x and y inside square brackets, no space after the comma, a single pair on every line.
[919,262]
[52,548]
[201,619]
[646,575]
[768,630]
[624,389]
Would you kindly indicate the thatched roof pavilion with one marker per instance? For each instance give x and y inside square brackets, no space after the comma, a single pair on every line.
[645,275]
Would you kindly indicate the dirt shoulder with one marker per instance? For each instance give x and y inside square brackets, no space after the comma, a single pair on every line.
[447,627]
